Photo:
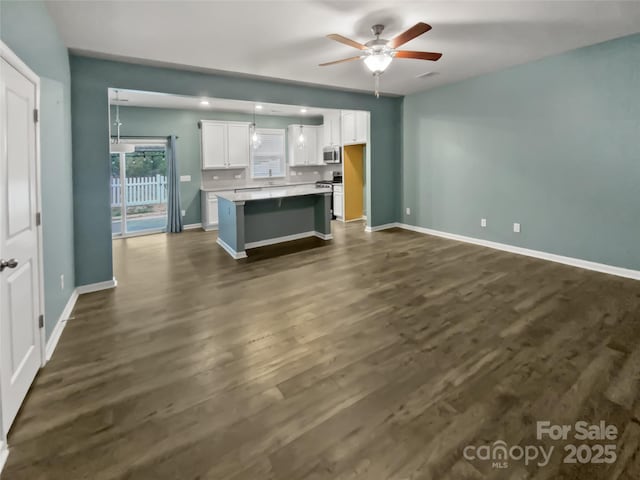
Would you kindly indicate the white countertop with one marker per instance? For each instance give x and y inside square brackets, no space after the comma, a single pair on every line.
[253,187]
[274,192]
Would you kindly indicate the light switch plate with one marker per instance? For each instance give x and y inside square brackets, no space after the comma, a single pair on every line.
[408,210]
[516,227]
[183,212]
[185,178]
[483,222]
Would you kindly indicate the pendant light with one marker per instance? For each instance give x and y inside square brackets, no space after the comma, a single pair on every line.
[256,141]
[116,146]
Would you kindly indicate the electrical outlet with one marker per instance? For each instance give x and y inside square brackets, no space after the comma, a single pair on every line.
[483,222]
[62,281]
[215,177]
[315,173]
[237,176]
[516,227]
[183,212]
[408,210]
[185,178]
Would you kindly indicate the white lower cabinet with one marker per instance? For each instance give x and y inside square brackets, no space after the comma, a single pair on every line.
[210,210]
[338,197]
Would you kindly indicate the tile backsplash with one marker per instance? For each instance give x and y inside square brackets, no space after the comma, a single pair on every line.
[238,178]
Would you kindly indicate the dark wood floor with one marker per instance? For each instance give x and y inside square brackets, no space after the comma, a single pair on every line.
[374,356]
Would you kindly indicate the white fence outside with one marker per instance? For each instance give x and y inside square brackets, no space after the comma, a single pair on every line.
[139,190]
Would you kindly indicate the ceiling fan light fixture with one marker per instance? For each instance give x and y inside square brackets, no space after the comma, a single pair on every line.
[378,62]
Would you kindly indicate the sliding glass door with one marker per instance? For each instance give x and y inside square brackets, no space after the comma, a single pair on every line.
[139,189]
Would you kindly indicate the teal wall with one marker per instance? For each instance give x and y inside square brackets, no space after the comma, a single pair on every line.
[140,121]
[554,145]
[27,29]
[91,79]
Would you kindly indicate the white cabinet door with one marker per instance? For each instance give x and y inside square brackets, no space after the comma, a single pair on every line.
[361,123]
[354,127]
[348,127]
[238,145]
[337,204]
[336,137]
[311,146]
[331,130]
[212,211]
[319,144]
[214,145]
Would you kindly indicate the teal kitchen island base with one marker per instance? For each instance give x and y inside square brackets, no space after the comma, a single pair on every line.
[250,219]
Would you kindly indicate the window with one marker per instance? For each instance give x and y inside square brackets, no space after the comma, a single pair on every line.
[268,159]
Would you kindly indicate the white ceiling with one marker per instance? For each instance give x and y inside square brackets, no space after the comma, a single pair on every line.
[137,98]
[286,39]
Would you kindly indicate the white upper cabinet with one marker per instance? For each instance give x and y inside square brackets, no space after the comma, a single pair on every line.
[238,144]
[307,152]
[331,130]
[225,144]
[355,125]
[214,145]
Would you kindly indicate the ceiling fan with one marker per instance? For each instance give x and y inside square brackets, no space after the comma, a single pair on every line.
[379,53]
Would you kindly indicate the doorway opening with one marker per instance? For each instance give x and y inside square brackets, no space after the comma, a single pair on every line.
[354,182]
[138,186]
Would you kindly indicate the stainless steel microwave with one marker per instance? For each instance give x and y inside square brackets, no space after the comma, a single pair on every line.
[331,154]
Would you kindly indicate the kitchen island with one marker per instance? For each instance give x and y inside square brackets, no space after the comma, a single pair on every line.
[255,218]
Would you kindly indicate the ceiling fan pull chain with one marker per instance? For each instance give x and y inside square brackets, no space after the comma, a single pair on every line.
[376,77]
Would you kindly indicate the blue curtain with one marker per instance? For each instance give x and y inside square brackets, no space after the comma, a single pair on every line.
[174,217]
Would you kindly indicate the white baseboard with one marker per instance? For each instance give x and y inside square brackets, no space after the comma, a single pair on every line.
[377,228]
[271,241]
[95,287]
[288,238]
[231,251]
[4,453]
[192,226]
[60,324]
[323,236]
[552,257]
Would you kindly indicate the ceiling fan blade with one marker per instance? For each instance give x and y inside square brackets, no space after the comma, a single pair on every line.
[346,41]
[415,31]
[418,55]
[340,61]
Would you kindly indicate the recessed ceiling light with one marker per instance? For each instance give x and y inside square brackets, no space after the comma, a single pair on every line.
[303,110]
[204,102]
[258,107]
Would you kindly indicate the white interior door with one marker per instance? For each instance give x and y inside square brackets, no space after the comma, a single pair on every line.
[20,347]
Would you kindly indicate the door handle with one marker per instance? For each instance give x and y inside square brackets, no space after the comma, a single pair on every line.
[12,263]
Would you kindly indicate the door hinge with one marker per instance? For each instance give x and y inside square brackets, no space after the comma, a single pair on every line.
[38,219]
[41,321]
[35,115]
